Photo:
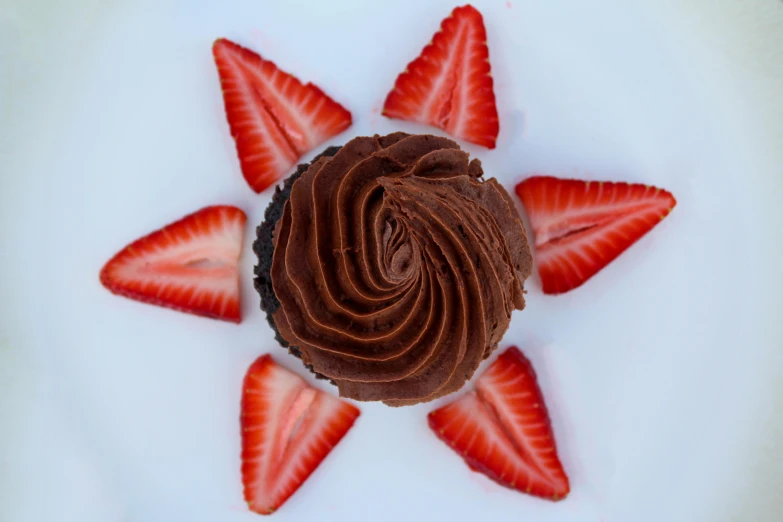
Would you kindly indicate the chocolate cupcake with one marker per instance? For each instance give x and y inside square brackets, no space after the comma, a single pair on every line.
[391,268]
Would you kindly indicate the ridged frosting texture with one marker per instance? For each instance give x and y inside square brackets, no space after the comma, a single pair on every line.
[397,267]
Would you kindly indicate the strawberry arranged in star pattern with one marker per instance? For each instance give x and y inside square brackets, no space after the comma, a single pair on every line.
[581,226]
[273,117]
[288,428]
[190,265]
[449,85]
[502,429]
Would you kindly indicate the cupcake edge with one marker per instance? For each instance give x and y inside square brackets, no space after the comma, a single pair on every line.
[264,248]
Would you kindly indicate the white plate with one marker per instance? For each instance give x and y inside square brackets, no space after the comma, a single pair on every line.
[662,373]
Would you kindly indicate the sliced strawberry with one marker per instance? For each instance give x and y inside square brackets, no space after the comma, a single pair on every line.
[287,430]
[190,265]
[503,431]
[581,226]
[449,85]
[273,117]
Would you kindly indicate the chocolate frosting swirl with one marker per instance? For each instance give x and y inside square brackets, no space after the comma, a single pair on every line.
[397,268]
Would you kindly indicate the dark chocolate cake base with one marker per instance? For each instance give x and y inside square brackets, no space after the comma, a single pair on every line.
[264,247]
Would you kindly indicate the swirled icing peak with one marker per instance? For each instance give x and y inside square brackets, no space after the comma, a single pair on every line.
[397,267]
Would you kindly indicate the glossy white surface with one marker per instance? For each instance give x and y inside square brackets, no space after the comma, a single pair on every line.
[662,373]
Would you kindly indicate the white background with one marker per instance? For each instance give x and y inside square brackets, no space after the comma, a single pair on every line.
[662,373]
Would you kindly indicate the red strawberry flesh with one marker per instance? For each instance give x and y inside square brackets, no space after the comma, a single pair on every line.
[449,85]
[288,428]
[503,429]
[581,226]
[273,117]
[190,265]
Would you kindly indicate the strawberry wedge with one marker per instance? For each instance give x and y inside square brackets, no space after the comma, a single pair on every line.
[503,430]
[581,226]
[288,428]
[449,85]
[190,265]
[274,118]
